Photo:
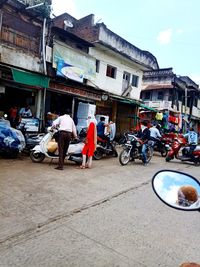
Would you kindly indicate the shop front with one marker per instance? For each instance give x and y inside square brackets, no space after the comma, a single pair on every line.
[60,97]
[20,88]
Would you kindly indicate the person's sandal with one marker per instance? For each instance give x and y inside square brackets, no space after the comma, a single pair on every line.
[81,167]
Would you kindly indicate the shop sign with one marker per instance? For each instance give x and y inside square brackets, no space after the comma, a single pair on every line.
[2,89]
[73,64]
[75,91]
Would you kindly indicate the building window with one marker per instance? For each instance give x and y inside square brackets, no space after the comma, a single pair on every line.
[160,95]
[97,65]
[111,71]
[135,80]
[147,95]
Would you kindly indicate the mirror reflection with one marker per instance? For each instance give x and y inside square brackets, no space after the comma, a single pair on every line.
[177,189]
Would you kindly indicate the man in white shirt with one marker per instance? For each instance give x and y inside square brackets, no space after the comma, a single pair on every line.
[67,130]
[25,112]
[154,133]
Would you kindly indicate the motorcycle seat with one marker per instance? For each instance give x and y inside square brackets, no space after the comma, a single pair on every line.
[101,139]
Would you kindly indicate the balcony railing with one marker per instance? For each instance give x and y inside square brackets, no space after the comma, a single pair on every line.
[158,104]
[168,105]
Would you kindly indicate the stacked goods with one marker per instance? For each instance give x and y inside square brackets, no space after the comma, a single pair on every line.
[84,110]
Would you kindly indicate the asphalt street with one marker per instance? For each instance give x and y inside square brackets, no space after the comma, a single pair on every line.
[104,216]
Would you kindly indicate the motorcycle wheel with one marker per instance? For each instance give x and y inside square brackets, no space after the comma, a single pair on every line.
[98,154]
[197,162]
[149,153]
[167,159]
[37,157]
[124,157]
[163,152]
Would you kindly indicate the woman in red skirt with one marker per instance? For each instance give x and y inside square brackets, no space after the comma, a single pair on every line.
[90,146]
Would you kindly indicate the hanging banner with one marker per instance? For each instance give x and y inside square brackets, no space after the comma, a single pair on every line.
[73,64]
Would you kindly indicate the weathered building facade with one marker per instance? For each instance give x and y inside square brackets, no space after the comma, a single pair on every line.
[178,95]
[22,66]
[119,68]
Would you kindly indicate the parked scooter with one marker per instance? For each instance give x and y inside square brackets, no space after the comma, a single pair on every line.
[40,152]
[179,150]
[133,150]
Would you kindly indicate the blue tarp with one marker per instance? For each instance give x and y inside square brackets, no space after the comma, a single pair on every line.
[8,138]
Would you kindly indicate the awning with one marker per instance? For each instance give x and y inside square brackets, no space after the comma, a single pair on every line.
[148,108]
[125,100]
[29,78]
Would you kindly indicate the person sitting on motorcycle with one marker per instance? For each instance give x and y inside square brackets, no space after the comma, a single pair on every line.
[101,130]
[187,196]
[144,136]
[154,134]
[192,138]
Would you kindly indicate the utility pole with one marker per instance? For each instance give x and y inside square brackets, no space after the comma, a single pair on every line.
[42,100]
[185,108]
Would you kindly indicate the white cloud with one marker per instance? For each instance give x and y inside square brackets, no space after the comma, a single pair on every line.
[179,31]
[62,6]
[164,37]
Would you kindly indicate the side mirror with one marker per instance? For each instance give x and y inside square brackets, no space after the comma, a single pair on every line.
[177,190]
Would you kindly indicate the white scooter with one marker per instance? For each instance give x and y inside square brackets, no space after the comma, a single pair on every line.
[39,152]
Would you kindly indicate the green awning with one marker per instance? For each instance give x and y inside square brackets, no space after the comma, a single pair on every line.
[29,78]
[148,108]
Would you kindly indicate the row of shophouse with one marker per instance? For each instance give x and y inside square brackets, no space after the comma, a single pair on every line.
[56,63]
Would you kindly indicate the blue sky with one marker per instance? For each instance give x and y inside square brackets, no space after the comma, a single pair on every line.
[169,29]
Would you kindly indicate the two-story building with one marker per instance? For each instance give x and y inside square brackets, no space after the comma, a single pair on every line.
[177,96]
[119,68]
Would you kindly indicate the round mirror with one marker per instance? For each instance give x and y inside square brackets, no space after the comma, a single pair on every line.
[177,189]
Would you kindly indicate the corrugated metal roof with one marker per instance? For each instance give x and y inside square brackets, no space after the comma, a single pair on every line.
[157,86]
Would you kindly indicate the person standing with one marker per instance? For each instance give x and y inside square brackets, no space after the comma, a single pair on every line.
[67,130]
[90,145]
[12,115]
[144,136]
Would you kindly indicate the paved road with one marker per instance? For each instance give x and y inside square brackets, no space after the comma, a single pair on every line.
[106,216]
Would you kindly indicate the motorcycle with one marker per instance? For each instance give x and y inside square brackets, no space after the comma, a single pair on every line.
[105,148]
[42,151]
[31,139]
[159,145]
[132,150]
[180,151]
